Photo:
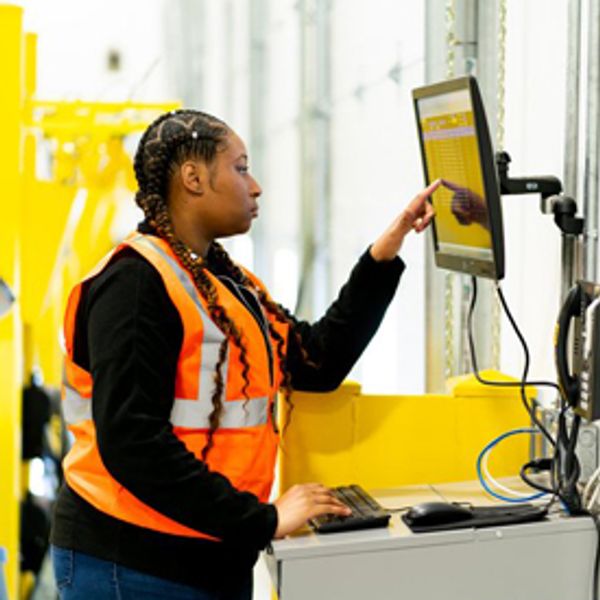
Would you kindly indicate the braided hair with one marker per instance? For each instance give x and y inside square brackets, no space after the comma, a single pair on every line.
[167,143]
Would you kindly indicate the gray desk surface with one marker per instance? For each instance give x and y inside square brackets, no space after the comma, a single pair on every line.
[550,560]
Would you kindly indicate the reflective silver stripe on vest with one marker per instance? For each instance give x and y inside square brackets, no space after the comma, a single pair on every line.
[75,407]
[189,413]
[195,412]
[235,413]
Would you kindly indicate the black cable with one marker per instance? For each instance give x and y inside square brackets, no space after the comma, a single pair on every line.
[566,467]
[521,384]
[549,384]
[567,463]
[553,473]
[565,470]
[565,485]
[565,457]
[535,464]
[551,502]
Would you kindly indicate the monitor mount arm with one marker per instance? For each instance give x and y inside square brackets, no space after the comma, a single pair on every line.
[553,202]
[545,185]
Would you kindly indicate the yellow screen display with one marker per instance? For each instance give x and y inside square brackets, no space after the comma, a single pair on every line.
[451,151]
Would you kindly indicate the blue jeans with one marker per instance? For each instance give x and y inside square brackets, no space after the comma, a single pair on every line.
[80,576]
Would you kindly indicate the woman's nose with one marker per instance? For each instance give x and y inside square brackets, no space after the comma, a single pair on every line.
[255,189]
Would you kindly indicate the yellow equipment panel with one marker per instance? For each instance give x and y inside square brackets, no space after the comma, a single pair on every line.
[382,441]
[11,343]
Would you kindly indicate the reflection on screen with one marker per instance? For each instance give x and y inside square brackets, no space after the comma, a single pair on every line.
[451,151]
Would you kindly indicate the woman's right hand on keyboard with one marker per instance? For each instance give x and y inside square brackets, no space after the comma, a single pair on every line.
[303,502]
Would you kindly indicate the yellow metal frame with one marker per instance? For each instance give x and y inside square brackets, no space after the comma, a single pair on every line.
[74,211]
[11,353]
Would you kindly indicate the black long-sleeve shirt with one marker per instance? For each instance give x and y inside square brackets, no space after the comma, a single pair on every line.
[128,335]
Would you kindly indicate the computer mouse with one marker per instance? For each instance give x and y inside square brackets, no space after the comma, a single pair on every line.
[437,513]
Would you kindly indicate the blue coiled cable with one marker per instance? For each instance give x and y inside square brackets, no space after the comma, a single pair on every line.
[484,483]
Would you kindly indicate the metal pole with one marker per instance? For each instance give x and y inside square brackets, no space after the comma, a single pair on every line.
[568,264]
[322,225]
[571,246]
[467,29]
[592,153]
[475,50]
[186,49]
[228,65]
[315,156]
[491,46]
[258,84]
[435,68]
[572,116]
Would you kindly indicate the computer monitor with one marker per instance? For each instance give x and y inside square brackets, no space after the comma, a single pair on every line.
[456,148]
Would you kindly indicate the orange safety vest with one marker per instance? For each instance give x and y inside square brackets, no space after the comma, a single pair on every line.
[245,445]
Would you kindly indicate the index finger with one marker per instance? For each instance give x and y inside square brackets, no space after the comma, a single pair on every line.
[451,185]
[420,199]
[430,189]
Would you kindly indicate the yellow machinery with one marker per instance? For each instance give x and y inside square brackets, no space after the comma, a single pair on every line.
[53,231]
[69,218]
[387,441]
[11,344]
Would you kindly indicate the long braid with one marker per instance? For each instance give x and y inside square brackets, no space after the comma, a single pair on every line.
[172,138]
[279,313]
[274,309]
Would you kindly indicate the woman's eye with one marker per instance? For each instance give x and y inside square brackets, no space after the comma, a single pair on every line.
[243,168]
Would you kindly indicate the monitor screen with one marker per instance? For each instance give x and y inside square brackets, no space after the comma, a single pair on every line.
[456,148]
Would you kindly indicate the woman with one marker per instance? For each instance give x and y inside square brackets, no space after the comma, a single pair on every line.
[174,358]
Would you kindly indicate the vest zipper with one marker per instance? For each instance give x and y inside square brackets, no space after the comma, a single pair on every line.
[260,319]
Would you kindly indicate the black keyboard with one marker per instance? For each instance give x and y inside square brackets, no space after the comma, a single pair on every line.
[366,512]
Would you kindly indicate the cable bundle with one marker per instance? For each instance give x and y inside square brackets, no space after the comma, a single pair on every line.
[488,482]
[563,466]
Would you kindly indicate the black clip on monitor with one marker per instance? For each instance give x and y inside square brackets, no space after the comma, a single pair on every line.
[456,148]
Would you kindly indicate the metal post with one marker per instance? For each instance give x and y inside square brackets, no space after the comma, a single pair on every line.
[572,117]
[571,269]
[228,65]
[470,43]
[489,71]
[592,153]
[475,51]
[435,68]
[568,260]
[315,156]
[186,22]
[258,85]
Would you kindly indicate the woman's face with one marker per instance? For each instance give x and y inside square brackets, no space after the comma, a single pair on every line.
[229,193]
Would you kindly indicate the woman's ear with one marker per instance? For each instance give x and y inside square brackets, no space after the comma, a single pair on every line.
[192,177]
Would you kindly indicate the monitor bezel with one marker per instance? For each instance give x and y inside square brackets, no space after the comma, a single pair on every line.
[491,269]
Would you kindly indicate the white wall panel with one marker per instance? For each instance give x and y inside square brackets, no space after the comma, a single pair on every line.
[74,39]
[535,123]
[376,170]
